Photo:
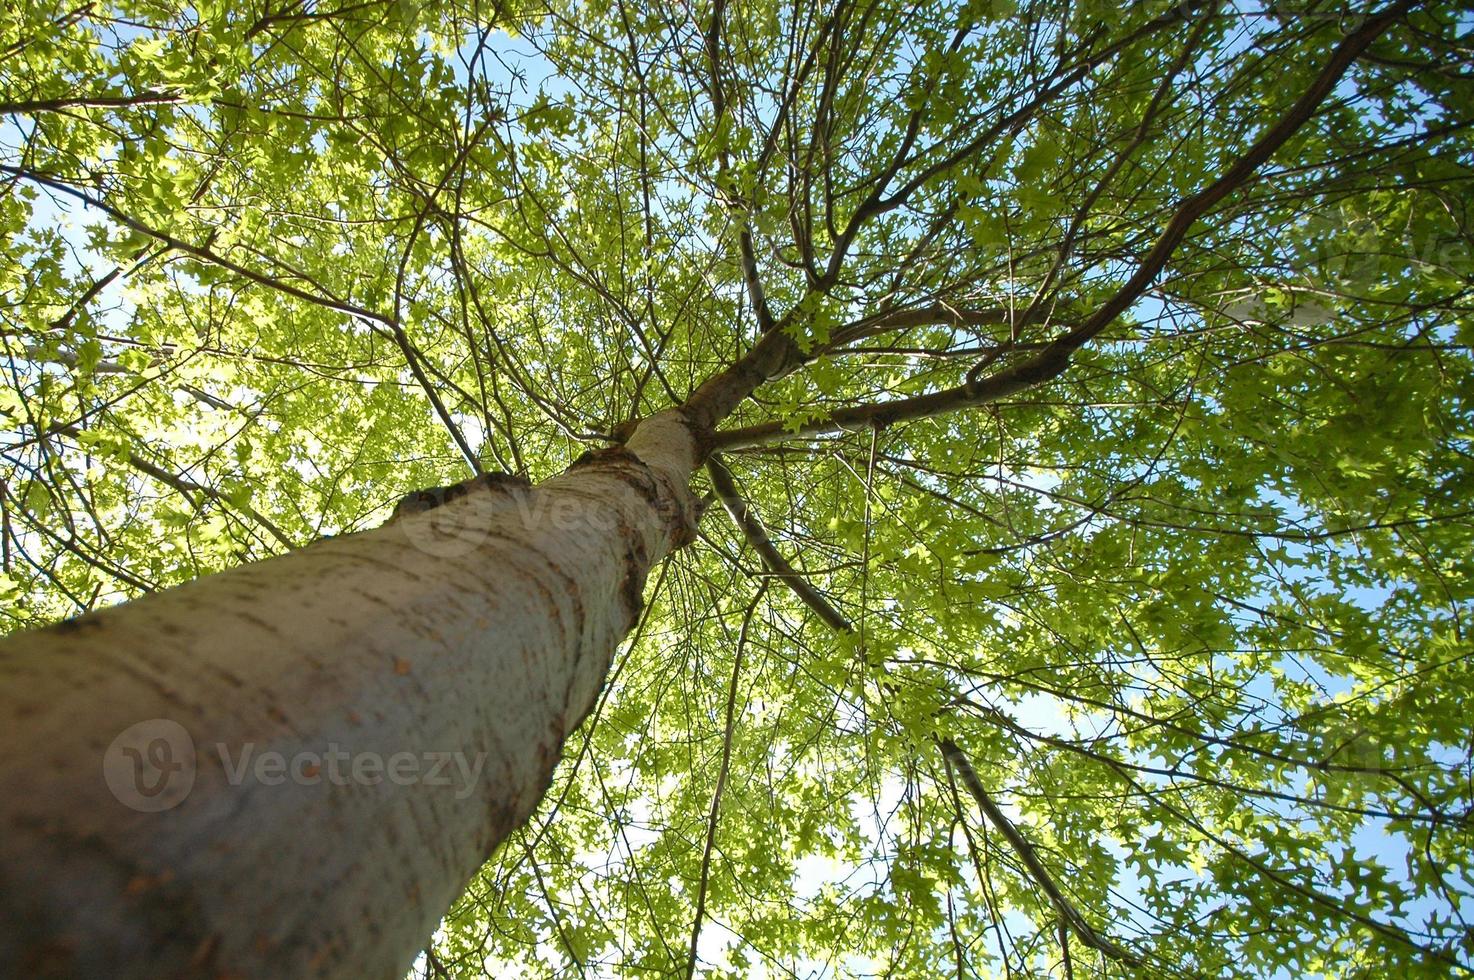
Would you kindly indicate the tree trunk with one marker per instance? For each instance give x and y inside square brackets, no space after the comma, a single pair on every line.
[293,767]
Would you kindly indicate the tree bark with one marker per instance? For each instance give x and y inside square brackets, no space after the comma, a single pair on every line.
[479,630]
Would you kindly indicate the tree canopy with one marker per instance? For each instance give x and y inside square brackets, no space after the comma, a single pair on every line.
[1087,597]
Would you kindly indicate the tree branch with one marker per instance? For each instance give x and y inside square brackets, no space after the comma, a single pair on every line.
[1054,359]
[1070,915]
[716,796]
[90,102]
[757,536]
[188,488]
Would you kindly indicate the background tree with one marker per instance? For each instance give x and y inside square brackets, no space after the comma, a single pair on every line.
[1093,596]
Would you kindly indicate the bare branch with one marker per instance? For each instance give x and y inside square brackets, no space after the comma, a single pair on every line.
[1070,915]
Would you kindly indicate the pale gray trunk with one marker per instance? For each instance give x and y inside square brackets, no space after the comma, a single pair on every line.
[479,630]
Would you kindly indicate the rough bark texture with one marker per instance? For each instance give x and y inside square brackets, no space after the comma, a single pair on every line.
[483,626]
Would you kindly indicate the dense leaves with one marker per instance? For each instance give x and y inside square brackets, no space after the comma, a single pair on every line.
[1194,613]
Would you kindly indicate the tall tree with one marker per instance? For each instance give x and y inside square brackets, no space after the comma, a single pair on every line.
[1087,395]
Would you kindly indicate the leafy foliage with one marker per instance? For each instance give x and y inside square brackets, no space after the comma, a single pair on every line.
[1196,610]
